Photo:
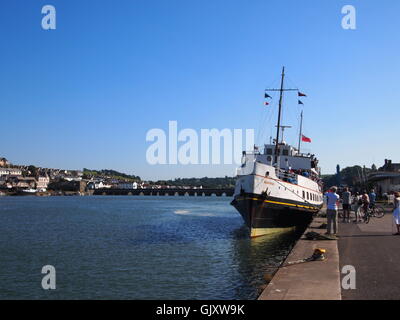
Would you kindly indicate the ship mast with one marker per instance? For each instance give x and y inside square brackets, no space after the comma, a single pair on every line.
[279,126]
[279,117]
[301,128]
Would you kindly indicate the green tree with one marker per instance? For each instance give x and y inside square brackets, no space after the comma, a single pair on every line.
[33,171]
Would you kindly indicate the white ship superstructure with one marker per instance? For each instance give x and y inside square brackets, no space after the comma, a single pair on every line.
[278,188]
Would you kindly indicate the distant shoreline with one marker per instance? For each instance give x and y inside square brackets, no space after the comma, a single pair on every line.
[193,192]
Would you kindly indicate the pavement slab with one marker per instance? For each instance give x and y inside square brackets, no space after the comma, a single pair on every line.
[315,280]
[375,254]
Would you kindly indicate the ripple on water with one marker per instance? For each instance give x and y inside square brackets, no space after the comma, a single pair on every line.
[133,248]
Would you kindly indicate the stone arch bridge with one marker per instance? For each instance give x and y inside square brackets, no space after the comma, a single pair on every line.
[166,192]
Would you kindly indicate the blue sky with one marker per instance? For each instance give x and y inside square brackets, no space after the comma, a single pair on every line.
[85,94]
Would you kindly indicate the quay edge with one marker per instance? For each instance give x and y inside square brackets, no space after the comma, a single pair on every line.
[316,280]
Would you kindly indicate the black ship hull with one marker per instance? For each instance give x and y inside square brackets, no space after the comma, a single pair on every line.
[265,215]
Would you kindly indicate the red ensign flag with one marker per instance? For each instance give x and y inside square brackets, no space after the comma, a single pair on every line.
[305,139]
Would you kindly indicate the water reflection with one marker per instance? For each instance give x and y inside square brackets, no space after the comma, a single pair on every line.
[257,256]
[134,248]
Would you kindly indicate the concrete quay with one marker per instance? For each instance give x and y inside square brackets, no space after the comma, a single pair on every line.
[371,249]
[374,252]
[314,280]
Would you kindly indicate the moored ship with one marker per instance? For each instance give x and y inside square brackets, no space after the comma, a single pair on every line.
[279,188]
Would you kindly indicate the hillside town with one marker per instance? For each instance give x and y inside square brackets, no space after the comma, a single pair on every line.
[25,180]
[20,179]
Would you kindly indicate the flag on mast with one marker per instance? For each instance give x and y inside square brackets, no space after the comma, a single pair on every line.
[300,102]
[301,94]
[266,95]
[266,103]
[305,139]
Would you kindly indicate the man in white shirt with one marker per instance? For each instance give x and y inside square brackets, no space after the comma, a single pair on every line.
[332,199]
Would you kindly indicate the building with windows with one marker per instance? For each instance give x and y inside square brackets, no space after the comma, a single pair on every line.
[127,185]
[20,182]
[42,183]
[387,178]
[10,172]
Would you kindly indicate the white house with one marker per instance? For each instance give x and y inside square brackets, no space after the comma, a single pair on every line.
[128,185]
[10,172]
[42,183]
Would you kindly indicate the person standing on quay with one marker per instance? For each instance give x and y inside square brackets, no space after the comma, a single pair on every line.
[346,204]
[365,203]
[396,212]
[357,202]
[332,199]
[372,197]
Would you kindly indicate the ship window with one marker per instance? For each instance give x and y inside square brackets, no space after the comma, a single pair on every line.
[269,151]
[304,195]
[285,152]
[308,197]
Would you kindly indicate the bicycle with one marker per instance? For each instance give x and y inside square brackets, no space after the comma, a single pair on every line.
[375,211]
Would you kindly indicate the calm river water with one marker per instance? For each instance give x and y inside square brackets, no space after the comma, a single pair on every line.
[130,247]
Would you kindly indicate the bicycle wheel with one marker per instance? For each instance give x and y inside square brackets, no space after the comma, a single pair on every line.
[379,212]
